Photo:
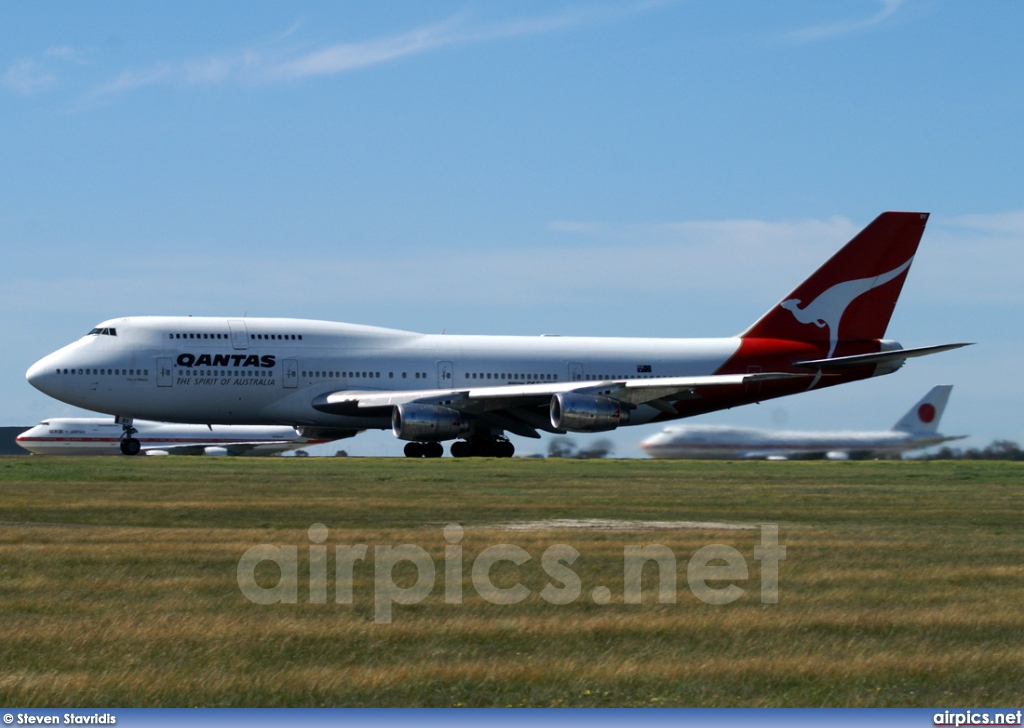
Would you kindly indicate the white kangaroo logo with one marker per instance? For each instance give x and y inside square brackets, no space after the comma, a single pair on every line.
[828,308]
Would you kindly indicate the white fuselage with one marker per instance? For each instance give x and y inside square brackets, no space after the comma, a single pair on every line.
[268,371]
[95,436]
[720,442]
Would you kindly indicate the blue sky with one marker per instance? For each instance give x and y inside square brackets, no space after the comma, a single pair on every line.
[620,168]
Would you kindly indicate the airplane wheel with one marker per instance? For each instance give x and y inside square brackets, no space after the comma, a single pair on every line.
[483,449]
[433,450]
[413,450]
[130,446]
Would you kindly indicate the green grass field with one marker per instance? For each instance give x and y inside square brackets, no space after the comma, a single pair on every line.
[903,584]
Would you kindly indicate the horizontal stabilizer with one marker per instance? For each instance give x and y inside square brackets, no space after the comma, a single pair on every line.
[881,357]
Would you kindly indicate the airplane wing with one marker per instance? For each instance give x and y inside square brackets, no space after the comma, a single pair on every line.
[173,449]
[522,409]
[268,447]
[764,455]
[307,437]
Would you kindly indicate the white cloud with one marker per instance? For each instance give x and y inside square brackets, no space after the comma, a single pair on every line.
[27,77]
[740,260]
[66,53]
[1001,223]
[272,64]
[974,260]
[698,269]
[844,27]
[344,57]
[137,78]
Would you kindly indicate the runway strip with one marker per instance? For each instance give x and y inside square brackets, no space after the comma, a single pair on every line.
[602,524]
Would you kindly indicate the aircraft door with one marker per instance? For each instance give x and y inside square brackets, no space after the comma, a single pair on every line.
[239,334]
[164,372]
[575,372]
[290,373]
[445,375]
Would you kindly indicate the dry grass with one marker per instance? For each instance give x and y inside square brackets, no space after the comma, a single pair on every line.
[902,585]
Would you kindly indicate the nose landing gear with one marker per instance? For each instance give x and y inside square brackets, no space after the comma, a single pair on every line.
[129,445]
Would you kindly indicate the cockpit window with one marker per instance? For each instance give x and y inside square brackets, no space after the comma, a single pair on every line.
[103,332]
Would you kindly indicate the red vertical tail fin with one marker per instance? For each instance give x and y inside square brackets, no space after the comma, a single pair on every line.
[852,296]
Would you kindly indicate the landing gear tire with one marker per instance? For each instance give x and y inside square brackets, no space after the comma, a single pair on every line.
[490,448]
[129,445]
[424,450]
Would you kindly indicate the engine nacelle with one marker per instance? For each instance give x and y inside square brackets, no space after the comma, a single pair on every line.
[586,413]
[325,433]
[889,367]
[426,422]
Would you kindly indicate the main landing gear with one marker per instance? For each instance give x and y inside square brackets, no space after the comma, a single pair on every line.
[129,445]
[490,447]
[424,450]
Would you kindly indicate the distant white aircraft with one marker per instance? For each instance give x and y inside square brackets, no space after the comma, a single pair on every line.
[95,436]
[428,389]
[916,429]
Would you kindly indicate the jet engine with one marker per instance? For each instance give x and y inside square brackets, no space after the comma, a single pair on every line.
[326,433]
[586,413]
[426,422]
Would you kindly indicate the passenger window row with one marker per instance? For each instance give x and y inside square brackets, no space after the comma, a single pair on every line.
[105,372]
[357,375]
[225,337]
[517,377]
[339,375]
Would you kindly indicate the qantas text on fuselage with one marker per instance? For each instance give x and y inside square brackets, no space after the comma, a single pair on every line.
[476,389]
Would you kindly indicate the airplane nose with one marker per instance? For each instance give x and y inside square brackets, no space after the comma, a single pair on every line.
[38,374]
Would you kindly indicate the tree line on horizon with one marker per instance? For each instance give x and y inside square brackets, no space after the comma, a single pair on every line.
[996,450]
[563,447]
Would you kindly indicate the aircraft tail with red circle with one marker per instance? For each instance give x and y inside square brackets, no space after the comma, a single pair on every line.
[923,418]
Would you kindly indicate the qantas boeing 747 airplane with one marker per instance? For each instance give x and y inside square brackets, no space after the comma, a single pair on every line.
[474,389]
